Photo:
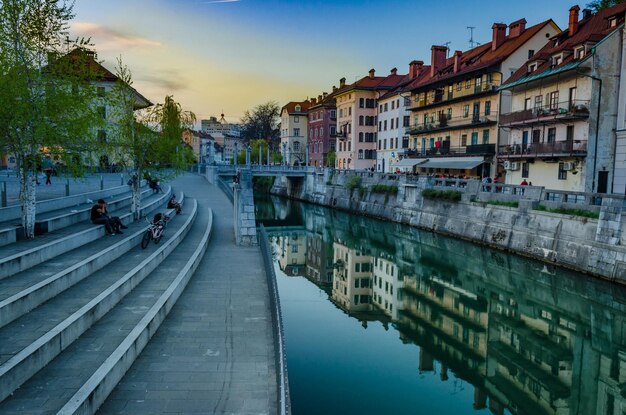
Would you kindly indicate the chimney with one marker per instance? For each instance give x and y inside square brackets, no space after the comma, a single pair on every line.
[499,34]
[457,61]
[587,14]
[415,69]
[372,73]
[517,28]
[334,88]
[324,95]
[573,20]
[394,71]
[437,59]
[313,101]
[320,98]
[342,82]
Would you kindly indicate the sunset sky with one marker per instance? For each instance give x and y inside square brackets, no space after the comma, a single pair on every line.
[231,55]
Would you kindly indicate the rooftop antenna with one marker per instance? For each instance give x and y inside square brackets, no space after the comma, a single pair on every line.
[471,41]
[447,45]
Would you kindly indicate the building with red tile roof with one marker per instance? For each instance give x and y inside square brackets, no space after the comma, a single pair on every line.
[357,110]
[557,122]
[322,129]
[293,132]
[455,104]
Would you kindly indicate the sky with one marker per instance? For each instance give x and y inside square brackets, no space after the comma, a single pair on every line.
[229,56]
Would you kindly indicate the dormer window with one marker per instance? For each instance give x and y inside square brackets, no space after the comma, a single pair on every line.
[532,67]
[579,52]
[298,108]
[613,21]
[557,59]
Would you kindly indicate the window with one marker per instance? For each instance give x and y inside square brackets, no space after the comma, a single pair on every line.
[579,52]
[296,132]
[562,172]
[536,136]
[361,102]
[349,110]
[458,86]
[557,59]
[449,115]
[380,125]
[360,120]
[485,136]
[465,111]
[296,119]
[525,170]
[391,124]
[527,103]
[333,113]
[360,137]
[554,100]
[475,138]
[360,154]
[531,53]
[551,134]
[386,107]
[538,102]
[479,82]
[385,144]
[464,140]
[385,125]
[532,67]
[468,84]
[488,108]
[380,108]
[393,105]
[333,130]
[406,121]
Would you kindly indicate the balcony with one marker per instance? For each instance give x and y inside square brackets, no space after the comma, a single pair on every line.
[566,148]
[447,151]
[340,135]
[440,96]
[454,123]
[549,114]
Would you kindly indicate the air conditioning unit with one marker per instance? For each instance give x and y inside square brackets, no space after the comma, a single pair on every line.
[511,165]
[569,166]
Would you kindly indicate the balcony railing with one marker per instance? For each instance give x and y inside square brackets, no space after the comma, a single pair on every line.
[557,148]
[447,151]
[441,96]
[548,113]
[454,122]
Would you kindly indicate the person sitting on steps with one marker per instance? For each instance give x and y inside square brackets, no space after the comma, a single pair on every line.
[100,216]
[174,204]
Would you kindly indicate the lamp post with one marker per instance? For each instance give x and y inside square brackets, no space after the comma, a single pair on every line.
[284,153]
[248,155]
[236,153]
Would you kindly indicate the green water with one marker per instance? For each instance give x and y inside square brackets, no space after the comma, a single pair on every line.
[386,319]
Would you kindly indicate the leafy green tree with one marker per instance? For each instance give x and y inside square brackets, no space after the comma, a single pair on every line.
[331,157]
[147,142]
[598,5]
[47,93]
[262,122]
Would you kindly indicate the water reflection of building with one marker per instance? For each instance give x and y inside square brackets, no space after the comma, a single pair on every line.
[319,260]
[352,278]
[530,339]
[291,253]
[387,281]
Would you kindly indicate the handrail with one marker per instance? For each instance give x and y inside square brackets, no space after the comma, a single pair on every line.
[226,189]
[284,400]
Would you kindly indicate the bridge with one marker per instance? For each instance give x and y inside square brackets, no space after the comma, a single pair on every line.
[265,170]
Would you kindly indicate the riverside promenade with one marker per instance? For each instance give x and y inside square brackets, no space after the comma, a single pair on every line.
[214,354]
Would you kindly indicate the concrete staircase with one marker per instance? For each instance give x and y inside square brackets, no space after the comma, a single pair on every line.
[77,307]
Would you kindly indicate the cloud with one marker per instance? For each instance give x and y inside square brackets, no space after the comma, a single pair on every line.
[110,37]
[168,80]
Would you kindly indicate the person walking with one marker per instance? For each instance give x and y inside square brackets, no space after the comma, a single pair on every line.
[48,173]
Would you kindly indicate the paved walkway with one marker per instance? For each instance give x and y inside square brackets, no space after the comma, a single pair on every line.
[57,188]
[214,353]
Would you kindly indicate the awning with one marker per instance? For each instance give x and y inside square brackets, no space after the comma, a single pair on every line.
[408,162]
[460,163]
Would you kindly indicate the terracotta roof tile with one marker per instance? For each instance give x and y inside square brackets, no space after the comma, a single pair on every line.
[592,29]
[291,107]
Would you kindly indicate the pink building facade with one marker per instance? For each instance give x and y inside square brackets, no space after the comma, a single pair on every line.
[322,129]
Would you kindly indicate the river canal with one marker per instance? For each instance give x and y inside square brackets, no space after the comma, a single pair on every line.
[386,319]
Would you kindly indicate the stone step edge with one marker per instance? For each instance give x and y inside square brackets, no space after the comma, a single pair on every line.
[94,392]
[119,203]
[20,303]
[62,244]
[21,367]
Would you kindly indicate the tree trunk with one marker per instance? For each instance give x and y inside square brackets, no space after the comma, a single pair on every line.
[28,199]
[136,204]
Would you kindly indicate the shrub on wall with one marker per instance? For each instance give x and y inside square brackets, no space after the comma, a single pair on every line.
[573,212]
[383,188]
[450,195]
[353,182]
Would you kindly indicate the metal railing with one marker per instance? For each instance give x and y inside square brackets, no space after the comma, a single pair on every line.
[284,400]
[567,109]
[444,122]
[568,147]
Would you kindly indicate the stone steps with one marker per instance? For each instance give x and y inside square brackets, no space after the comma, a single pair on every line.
[34,340]
[28,289]
[23,255]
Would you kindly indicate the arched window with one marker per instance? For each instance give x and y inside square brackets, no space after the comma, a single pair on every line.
[361,120]
[360,137]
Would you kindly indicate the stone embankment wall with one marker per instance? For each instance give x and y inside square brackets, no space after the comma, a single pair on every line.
[594,246]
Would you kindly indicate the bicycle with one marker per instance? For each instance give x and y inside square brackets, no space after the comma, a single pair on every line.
[156,230]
